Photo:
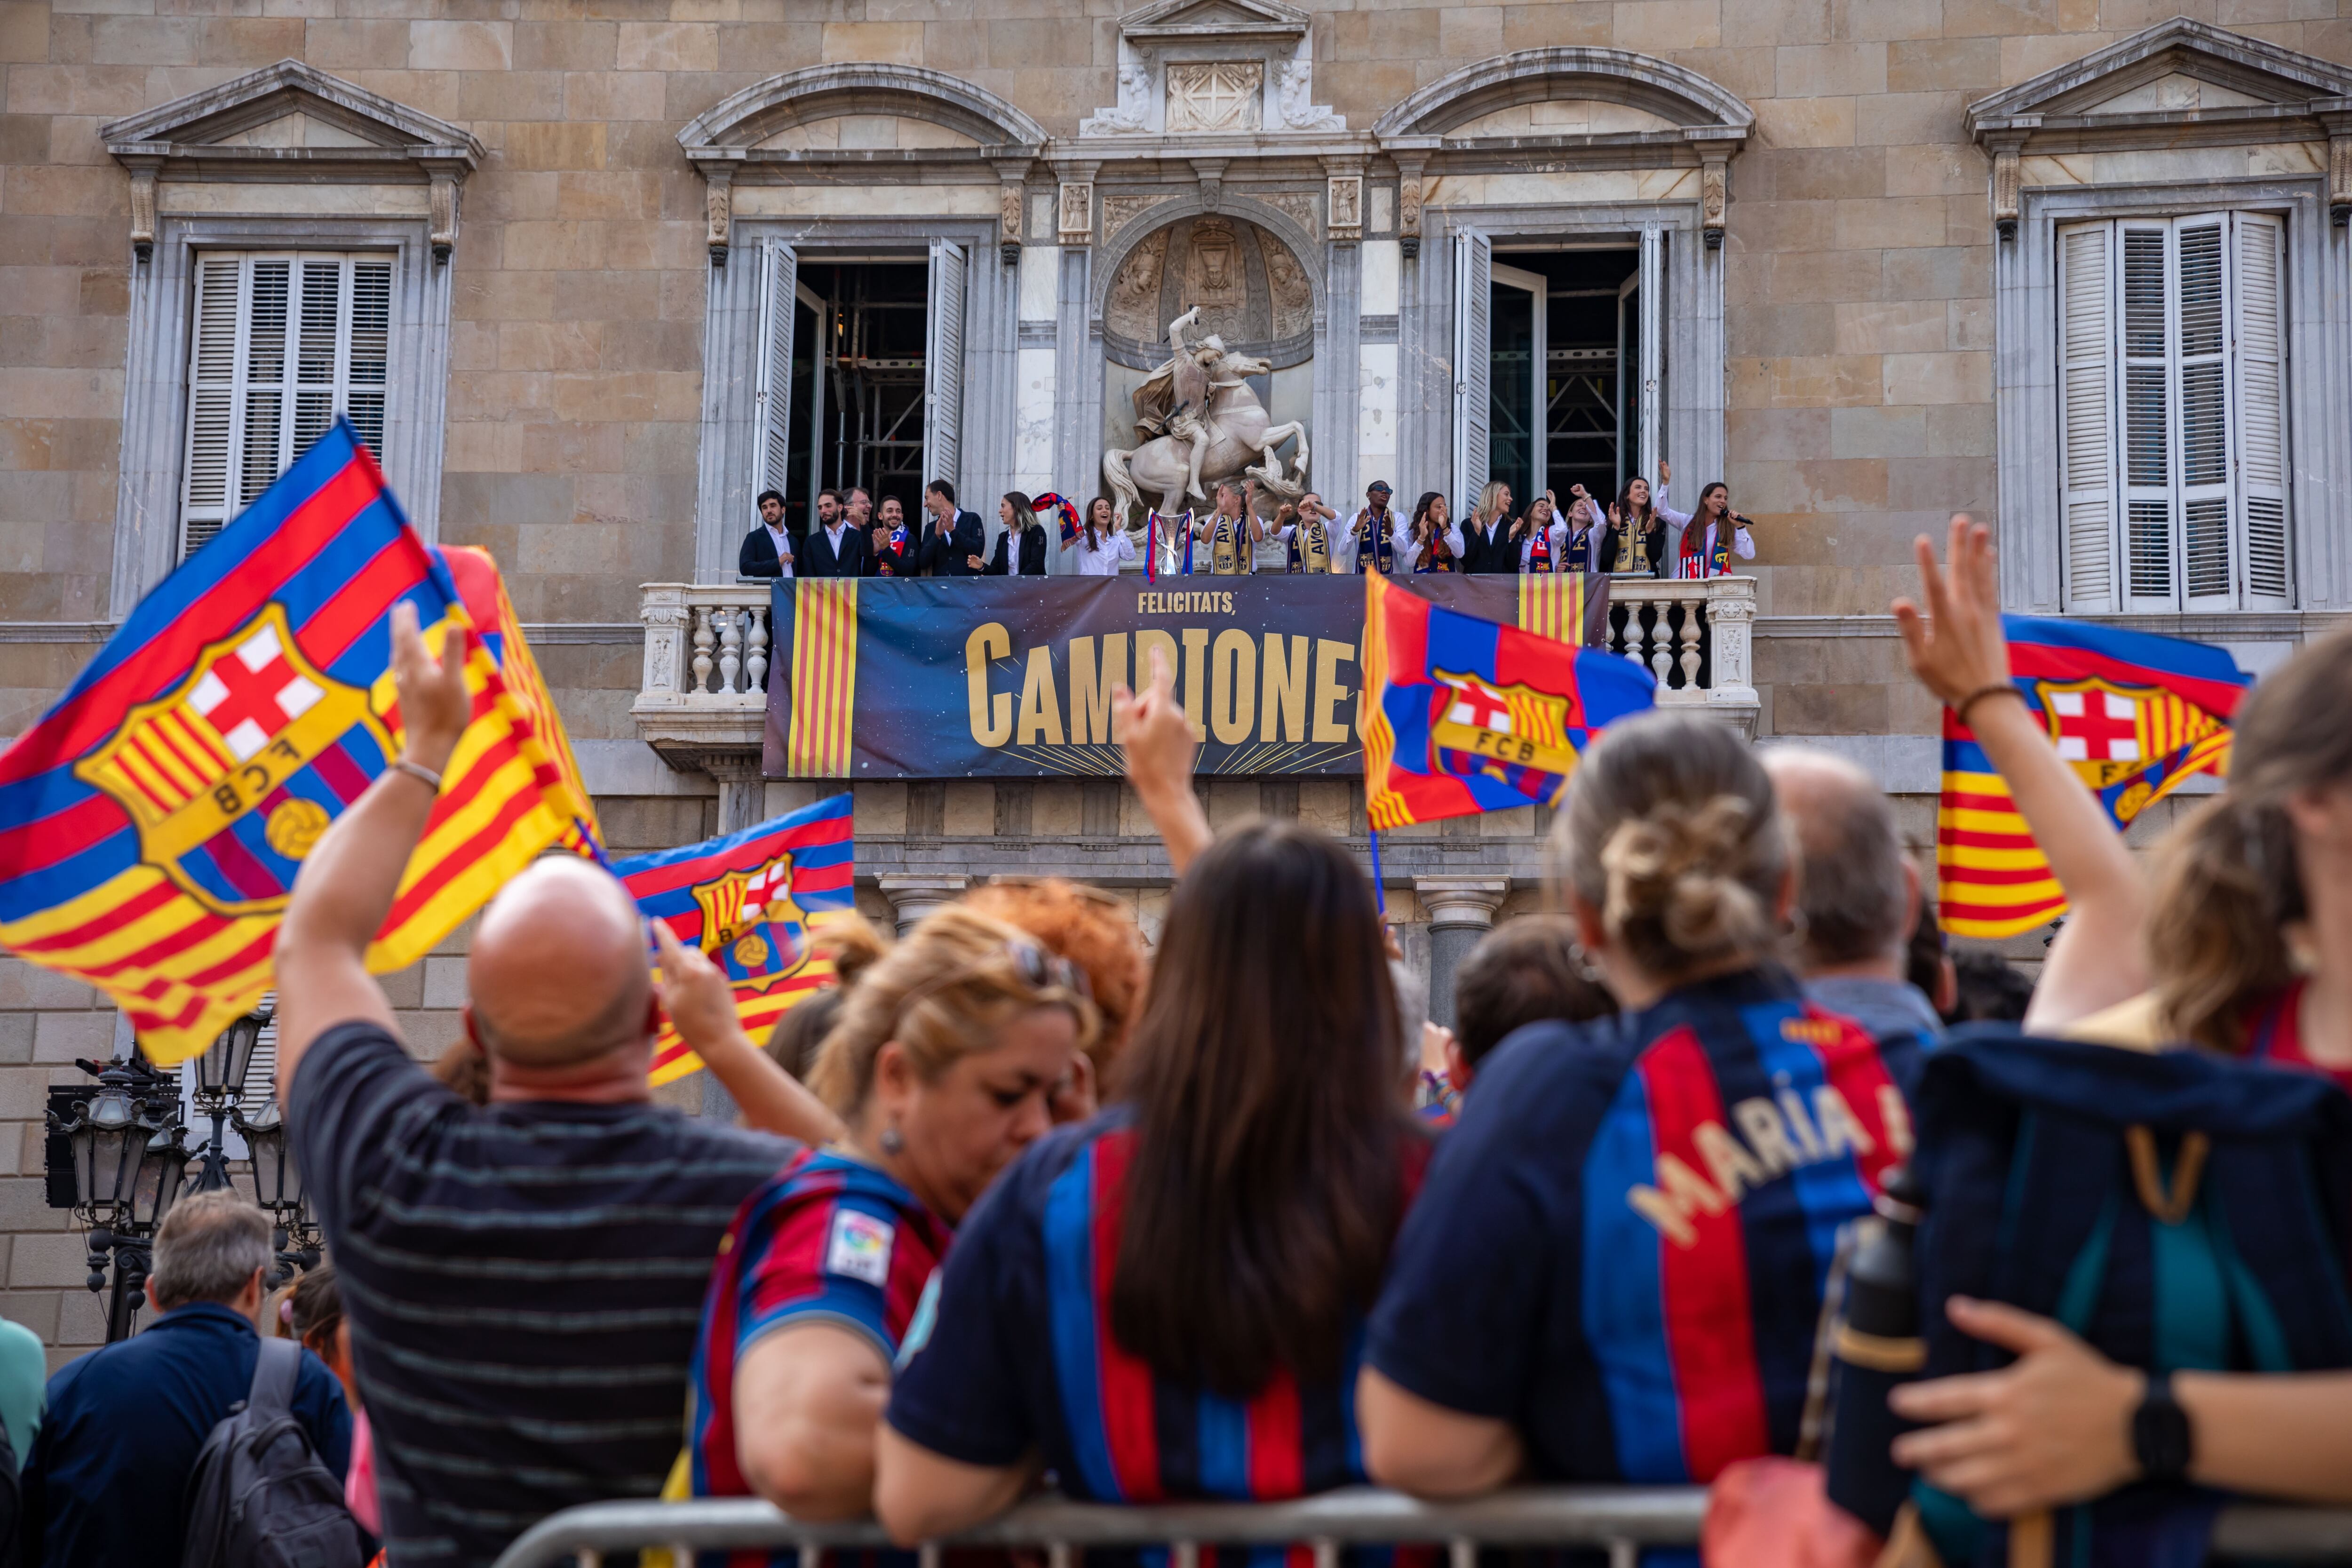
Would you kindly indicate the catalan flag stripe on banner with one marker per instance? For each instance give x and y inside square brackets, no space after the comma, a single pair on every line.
[153,822]
[749,900]
[1465,715]
[2135,715]
[484,592]
[824,676]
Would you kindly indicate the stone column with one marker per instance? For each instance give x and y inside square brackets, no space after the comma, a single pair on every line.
[912,898]
[1461,911]
[742,793]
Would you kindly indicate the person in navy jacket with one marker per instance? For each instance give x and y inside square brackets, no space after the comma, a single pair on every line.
[1020,523]
[767,550]
[952,540]
[102,1487]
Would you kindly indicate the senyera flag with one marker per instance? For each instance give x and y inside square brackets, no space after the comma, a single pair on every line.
[749,900]
[485,595]
[153,822]
[1465,715]
[2136,715]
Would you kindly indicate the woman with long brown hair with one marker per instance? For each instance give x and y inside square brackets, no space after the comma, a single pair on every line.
[1164,1301]
[1102,543]
[1636,540]
[942,1064]
[1429,542]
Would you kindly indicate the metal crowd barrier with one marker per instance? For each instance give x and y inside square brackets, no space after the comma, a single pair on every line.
[1620,1520]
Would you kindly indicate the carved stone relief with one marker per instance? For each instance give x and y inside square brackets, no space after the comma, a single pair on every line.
[1120,211]
[1298,205]
[1250,290]
[1133,306]
[1216,95]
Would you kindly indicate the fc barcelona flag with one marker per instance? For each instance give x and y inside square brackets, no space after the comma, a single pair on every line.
[1464,715]
[2135,714]
[153,822]
[747,900]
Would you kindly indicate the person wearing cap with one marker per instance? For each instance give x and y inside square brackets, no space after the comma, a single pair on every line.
[1373,523]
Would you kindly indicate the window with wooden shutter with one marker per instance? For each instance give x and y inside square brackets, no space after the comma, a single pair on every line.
[779,305]
[282,343]
[2171,415]
[1473,266]
[944,367]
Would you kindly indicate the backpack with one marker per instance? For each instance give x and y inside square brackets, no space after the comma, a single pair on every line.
[2179,1211]
[259,1497]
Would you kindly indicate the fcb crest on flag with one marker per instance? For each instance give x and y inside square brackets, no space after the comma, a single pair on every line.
[153,822]
[2133,714]
[750,900]
[231,776]
[1465,715]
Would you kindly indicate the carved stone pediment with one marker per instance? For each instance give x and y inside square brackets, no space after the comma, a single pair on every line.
[292,121]
[1210,69]
[2180,83]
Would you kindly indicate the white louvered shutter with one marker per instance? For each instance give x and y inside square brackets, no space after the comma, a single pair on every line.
[943,368]
[2203,400]
[2146,311]
[2086,413]
[1474,282]
[281,342]
[778,300]
[2261,355]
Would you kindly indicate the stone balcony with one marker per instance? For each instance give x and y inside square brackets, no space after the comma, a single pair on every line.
[702,700]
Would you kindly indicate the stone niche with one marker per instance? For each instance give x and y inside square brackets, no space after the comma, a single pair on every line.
[1251,289]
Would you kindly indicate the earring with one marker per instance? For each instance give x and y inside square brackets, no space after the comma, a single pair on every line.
[892,1144]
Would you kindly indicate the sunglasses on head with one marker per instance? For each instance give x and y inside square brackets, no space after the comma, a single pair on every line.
[1032,965]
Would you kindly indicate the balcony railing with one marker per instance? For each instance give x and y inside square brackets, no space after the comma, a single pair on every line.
[1619,1519]
[709,649]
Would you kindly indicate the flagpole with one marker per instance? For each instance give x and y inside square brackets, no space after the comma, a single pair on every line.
[1380,895]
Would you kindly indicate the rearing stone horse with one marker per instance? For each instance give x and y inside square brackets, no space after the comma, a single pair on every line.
[1239,429]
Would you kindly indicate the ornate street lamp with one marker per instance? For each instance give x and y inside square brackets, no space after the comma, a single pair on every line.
[220,1075]
[125,1156]
[277,1180]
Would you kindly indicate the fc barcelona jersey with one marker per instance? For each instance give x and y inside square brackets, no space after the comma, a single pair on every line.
[1624,1240]
[828,1239]
[1022,1357]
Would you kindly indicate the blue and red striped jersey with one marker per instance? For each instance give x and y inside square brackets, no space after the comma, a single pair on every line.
[828,1239]
[1022,1357]
[1625,1238]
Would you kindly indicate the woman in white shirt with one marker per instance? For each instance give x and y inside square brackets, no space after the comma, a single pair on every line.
[1537,539]
[1430,525]
[1714,520]
[1270,541]
[1101,544]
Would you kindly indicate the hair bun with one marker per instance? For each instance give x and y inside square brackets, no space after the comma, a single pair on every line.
[1677,870]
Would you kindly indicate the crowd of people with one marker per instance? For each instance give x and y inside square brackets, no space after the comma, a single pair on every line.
[1022,1200]
[1247,531]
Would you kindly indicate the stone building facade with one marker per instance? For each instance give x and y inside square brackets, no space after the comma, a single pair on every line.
[591,273]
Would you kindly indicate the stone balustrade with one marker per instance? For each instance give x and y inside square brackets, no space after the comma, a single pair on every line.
[702,699]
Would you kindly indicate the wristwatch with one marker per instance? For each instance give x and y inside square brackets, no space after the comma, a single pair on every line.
[2161,1439]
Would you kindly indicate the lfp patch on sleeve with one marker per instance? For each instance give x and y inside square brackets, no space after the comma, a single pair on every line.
[859,1247]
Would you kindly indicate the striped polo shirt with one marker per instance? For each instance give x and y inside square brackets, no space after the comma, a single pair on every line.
[524,1284]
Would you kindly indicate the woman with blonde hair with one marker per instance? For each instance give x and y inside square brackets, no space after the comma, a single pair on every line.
[942,1063]
[1616,1270]
[1483,534]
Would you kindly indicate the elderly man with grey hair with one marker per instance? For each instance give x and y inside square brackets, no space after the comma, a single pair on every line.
[125,1424]
[1857,890]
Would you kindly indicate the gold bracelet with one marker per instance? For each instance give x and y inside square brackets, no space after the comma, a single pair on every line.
[1960,710]
[419,771]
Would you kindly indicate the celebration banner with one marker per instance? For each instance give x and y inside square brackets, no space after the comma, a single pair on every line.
[883,678]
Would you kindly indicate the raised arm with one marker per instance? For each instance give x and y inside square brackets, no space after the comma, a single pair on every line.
[1159,745]
[696,994]
[1958,651]
[346,885]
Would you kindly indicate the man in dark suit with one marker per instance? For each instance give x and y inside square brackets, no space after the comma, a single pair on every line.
[952,540]
[767,550]
[836,546]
